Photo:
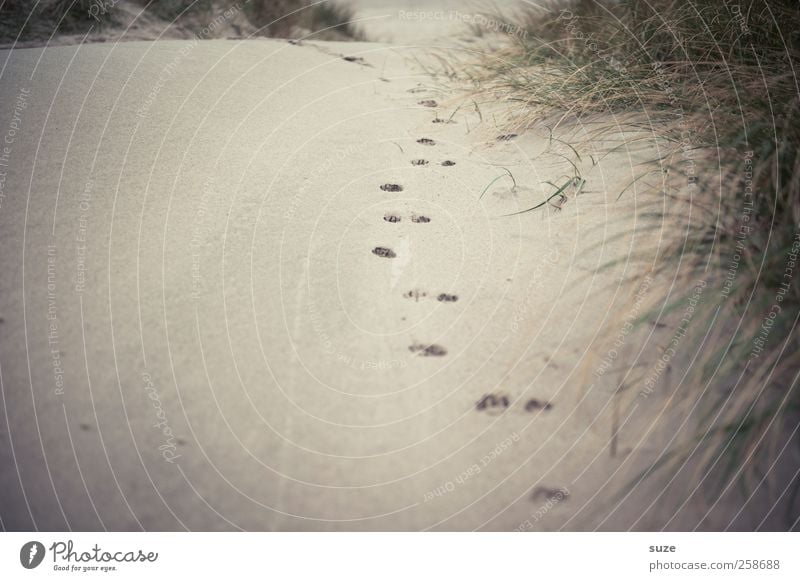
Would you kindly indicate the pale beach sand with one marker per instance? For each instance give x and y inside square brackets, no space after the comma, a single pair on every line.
[199,333]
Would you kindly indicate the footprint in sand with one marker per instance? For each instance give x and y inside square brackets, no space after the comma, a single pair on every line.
[505,194]
[419,219]
[551,494]
[419,162]
[383,252]
[428,350]
[493,403]
[392,188]
[535,404]
[418,294]
[415,294]
[428,103]
[448,163]
[392,218]
[426,141]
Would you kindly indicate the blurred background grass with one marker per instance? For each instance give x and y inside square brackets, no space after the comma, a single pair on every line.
[26,21]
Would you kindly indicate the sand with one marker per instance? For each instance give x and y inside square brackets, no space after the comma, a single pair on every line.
[219,312]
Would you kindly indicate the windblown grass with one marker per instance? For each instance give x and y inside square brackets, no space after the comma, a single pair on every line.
[26,20]
[23,19]
[719,82]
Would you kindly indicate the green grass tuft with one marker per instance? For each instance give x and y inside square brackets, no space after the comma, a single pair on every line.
[717,81]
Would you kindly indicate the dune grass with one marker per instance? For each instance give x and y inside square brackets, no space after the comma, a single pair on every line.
[276,18]
[23,19]
[719,82]
[26,20]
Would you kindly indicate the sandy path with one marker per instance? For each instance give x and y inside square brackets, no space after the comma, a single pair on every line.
[197,331]
[428,21]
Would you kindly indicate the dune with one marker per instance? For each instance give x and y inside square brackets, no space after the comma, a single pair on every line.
[264,285]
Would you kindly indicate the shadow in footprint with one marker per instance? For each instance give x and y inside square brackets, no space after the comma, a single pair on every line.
[446,298]
[419,162]
[551,494]
[534,404]
[392,188]
[428,103]
[392,218]
[354,59]
[493,403]
[420,219]
[506,137]
[448,163]
[426,141]
[383,252]
[428,350]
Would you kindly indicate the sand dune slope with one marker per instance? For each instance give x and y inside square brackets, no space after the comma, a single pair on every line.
[253,285]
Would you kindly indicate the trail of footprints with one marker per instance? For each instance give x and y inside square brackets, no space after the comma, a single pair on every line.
[418,295]
[497,403]
[420,349]
[416,218]
[445,163]
[493,404]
